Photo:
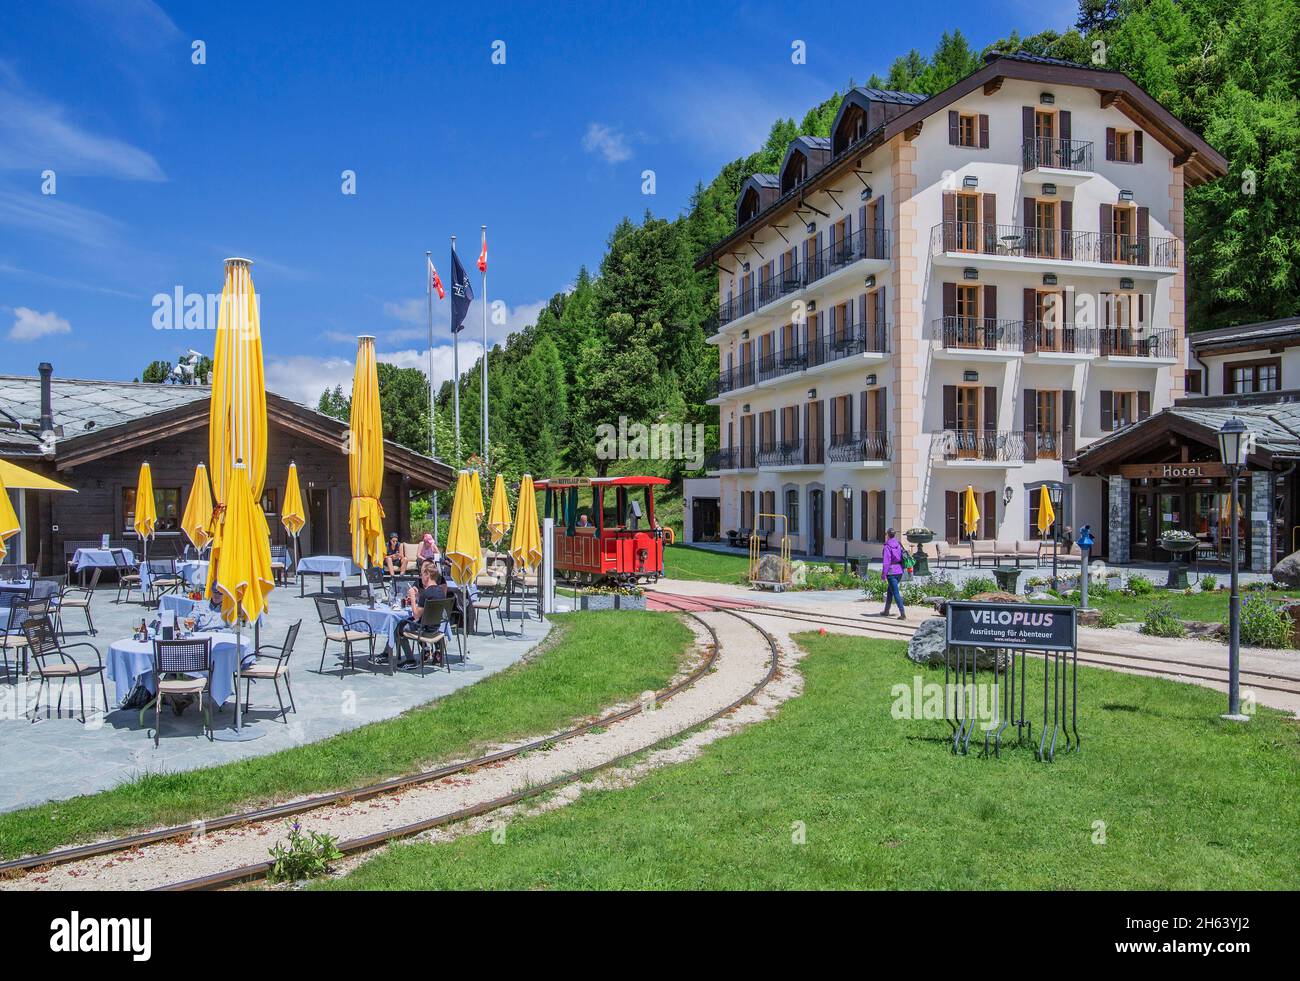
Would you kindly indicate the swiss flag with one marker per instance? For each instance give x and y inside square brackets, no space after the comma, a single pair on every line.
[434,282]
[482,256]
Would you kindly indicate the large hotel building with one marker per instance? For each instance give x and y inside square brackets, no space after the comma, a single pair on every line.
[961,290]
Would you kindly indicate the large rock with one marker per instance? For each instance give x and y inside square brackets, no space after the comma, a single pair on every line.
[1287,571]
[997,596]
[798,573]
[772,568]
[928,644]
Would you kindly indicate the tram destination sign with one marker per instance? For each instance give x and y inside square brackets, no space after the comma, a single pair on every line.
[1019,626]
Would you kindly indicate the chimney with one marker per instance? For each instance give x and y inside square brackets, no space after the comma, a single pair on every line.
[47,409]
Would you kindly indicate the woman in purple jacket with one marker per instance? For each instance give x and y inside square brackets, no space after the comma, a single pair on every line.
[891,569]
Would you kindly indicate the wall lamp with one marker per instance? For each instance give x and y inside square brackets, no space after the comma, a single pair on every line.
[812,393]
[1047,99]
[1126,283]
[869,282]
[970,272]
[1049,189]
[1126,195]
[871,380]
[970,180]
[811,227]
[866,193]
[1049,279]
[970,376]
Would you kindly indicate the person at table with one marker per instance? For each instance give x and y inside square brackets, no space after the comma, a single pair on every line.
[429,549]
[393,555]
[432,587]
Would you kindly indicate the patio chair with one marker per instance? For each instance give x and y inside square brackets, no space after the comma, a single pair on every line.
[355,595]
[44,647]
[410,556]
[339,630]
[279,563]
[175,663]
[489,601]
[163,578]
[273,667]
[126,578]
[76,598]
[13,641]
[435,620]
[375,580]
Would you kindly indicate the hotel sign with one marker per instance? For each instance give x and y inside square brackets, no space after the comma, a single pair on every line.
[1173,471]
[1020,626]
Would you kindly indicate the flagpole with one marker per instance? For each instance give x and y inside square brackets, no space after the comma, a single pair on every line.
[433,438]
[484,382]
[455,367]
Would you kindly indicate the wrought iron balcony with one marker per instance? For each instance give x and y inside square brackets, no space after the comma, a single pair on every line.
[859,447]
[982,445]
[1129,342]
[725,458]
[782,453]
[1025,242]
[733,378]
[1047,337]
[979,334]
[865,243]
[1049,444]
[1059,154]
[784,362]
[852,340]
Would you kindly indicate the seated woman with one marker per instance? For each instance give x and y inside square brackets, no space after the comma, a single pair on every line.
[393,555]
[429,549]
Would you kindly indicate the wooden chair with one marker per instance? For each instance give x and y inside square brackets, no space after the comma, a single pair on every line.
[126,578]
[273,667]
[339,630]
[42,642]
[175,663]
[77,598]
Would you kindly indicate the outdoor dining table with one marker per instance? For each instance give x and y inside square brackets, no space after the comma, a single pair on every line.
[99,558]
[130,661]
[326,565]
[193,571]
[383,619]
[199,608]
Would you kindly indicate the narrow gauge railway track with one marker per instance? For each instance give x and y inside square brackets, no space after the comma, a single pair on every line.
[394,785]
[1145,664]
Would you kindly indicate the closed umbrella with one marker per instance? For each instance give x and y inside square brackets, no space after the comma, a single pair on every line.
[476,495]
[197,519]
[499,519]
[1046,513]
[146,512]
[526,541]
[366,459]
[463,549]
[293,517]
[8,518]
[971,513]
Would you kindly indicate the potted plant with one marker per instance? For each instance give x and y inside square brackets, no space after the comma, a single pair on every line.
[612,597]
[920,537]
[1177,543]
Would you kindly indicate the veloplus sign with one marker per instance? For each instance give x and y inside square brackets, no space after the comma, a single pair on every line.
[1012,626]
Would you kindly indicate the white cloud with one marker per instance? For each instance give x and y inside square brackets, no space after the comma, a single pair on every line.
[303,378]
[414,314]
[607,141]
[48,215]
[31,325]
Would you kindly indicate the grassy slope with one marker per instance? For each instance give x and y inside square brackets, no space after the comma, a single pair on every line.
[1188,802]
[591,660]
[1206,607]
[687,562]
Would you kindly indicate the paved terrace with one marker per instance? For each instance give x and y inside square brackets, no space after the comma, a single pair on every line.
[58,757]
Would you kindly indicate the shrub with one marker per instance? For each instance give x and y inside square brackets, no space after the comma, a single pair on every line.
[1108,619]
[1139,586]
[939,585]
[307,855]
[1263,624]
[914,594]
[874,587]
[978,584]
[820,577]
[1209,584]
[1161,622]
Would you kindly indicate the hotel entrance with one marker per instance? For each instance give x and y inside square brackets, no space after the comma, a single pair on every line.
[1197,505]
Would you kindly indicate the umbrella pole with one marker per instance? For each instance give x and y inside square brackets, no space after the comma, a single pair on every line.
[239,734]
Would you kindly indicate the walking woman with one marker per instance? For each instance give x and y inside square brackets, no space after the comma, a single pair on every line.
[891,569]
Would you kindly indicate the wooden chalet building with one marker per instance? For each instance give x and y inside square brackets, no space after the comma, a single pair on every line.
[93,436]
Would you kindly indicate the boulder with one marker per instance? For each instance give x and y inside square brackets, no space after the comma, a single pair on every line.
[997,596]
[772,568]
[1287,571]
[930,641]
[1097,573]
[798,573]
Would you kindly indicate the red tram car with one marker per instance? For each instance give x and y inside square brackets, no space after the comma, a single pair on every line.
[605,527]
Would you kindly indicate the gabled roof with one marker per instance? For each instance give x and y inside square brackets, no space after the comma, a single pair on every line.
[1221,340]
[1200,161]
[95,419]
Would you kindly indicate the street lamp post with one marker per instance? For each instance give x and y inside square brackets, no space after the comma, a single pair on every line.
[847,493]
[1234,441]
[1054,494]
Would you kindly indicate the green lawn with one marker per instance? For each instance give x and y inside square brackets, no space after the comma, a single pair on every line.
[688,562]
[1206,607]
[591,660]
[1187,802]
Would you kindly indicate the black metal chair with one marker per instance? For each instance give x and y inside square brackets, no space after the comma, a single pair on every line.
[279,564]
[273,667]
[163,578]
[375,581]
[76,598]
[175,663]
[339,630]
[126,578]
[13,640]
[43,646]
[489,602]
[430,631]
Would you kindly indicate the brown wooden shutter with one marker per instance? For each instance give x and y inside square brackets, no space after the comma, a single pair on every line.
[1107,402]
[1227,379]
[866,510]
[1144,235]
[949,406]
[1144,405]
[989,519]
[1030,413]
[881,318]
[1106,225]
[949,302]
[990,408]
[949,220]
[882,410]
[1110,142]
[1026,123]
[1067,229]
[984,131]
[880,247]
[953,125]
[1142,308]
[1067,424]
[848,516]
[1137,146]
[951,523]
[862,315]
[881,516]
[1029,312]
[1029,218]
[990,302]
[989,218]
[1063,124]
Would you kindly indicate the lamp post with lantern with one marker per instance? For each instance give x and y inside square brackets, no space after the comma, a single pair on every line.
[847,493]
[1234,444]
[1055,493]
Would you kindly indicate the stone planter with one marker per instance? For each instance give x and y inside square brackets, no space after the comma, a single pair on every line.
[922,567]
[1178,548]
[610,601]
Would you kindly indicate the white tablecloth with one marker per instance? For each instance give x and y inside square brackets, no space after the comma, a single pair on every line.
[383,620]
[200,608]
[194,571]
[99,558]
[131,660]
[331,565]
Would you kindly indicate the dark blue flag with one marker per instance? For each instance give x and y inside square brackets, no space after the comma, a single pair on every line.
[461,293]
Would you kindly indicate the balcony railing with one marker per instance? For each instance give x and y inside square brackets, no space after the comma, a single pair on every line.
[1022,241]
[1060,154]
[782,453]
[979,334]
[1049,444]
[787,361]
[853,340]
[733,378]
[860,447]
[1046,337]
[725,458]
[1126,342]
[988,445]
[746,457]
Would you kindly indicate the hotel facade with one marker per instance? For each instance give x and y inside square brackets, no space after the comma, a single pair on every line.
[961,290]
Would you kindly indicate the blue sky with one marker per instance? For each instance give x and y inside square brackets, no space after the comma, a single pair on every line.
[163,167]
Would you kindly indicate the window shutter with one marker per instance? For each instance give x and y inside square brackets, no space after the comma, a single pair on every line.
[990,408]
[1144,405]
[952,127]
[1067,424]
[880,516]
[881,319]
[1110,142]
[1026,124]
[951,526]
[1137,146]
[1228,388]
[1107,411]
[949,220]
[1029,312]
[880,246]
[1142,309]
[1144,235]
[949,406]
[949,300]
[862,315]
[1029,218]
[1067,229]
[866,510]
[989,518]
[862,217]
[984,131]
[990,302]
[1106,225]
[882,410]
[989,217]
[862,413]
[1030,413]
[848,516]
[1063,124]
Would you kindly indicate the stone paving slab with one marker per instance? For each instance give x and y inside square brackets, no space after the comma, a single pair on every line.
[58,757]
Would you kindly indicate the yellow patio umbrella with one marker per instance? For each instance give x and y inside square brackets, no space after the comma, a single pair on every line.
[499,520]
[293,517]
[526,542]
[463,548]
[197,519]
[8,518]
[366,459]
[970,519]
[1046,513]
[146,512]
[476,495]
[244,570]
[20,478]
